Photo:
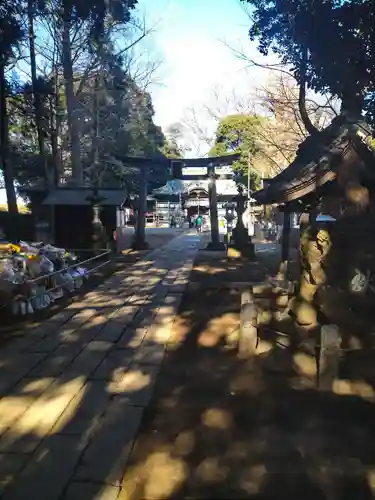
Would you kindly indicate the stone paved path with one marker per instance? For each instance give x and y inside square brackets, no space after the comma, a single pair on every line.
[72,392]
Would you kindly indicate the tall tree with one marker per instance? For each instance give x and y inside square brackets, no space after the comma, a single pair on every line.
[95,12]
[32,9]
[321,41]
[11,33]
[282,129]
[238,134]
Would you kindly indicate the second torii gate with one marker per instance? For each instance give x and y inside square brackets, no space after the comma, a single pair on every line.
[175,170]
[210,164]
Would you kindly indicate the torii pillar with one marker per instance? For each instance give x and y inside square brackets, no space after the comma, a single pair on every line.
[215,243]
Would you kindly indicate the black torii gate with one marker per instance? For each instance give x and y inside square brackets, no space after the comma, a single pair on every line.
[175,169]
[210,164]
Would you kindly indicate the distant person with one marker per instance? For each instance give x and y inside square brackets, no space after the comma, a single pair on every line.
[198,223]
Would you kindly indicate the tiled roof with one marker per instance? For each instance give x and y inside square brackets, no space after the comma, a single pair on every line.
[317,162]
[80,196]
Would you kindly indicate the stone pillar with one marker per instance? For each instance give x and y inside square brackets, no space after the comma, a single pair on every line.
[329,357]
[315,246]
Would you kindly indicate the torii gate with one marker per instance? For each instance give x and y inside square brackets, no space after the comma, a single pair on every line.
[174,167]
[210,164]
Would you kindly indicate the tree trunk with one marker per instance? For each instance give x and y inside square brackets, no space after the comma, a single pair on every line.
[36,96]
[70,98]
[53,138]
[4,149]
[57,107]
[352,103]
[95,133]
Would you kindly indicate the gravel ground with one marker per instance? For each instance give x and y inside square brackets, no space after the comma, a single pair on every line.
[220,427]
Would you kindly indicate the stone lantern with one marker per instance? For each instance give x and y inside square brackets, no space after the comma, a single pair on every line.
[241,239]
[99,236]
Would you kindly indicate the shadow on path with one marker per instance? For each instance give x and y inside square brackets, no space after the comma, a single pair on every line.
[219,427]
[73,390]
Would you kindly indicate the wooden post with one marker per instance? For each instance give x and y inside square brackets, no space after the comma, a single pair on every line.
[215,243]
[329,356]
[285,242]
[139,242]
[248,339]
[313,215]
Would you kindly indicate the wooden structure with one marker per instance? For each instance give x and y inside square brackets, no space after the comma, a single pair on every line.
[188,198]
[74,210]
[330,175]
[333,174]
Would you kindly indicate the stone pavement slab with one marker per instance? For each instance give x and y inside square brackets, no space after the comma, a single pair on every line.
[46,475]
[91,491]
[73,391]
[105,458]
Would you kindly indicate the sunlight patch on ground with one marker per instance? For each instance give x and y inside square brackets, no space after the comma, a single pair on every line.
[253,479]
[208,269]
[211,471]
[180,330]
[218,329]
[217,418]
[184,443]
[13,406]
[158,477]
[132,381]
[95,320]
[166,474]
[41,416]
[354,388]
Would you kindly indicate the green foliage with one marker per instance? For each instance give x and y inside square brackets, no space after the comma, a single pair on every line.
[11,29]
[114,115]
[238,134]
[171,149]
[99,11]
[115,119]
[332,35]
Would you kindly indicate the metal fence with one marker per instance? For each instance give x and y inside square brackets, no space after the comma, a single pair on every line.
[106,253]
[49,283]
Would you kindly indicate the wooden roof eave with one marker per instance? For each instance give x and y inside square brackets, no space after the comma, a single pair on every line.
[298,188]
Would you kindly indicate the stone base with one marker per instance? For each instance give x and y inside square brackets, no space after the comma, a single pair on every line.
[217,247]
[140,245]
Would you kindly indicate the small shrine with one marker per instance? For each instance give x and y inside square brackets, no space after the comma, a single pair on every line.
[66,215]
[331,184]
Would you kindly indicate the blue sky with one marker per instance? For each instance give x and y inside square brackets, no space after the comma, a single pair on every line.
[189,38]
